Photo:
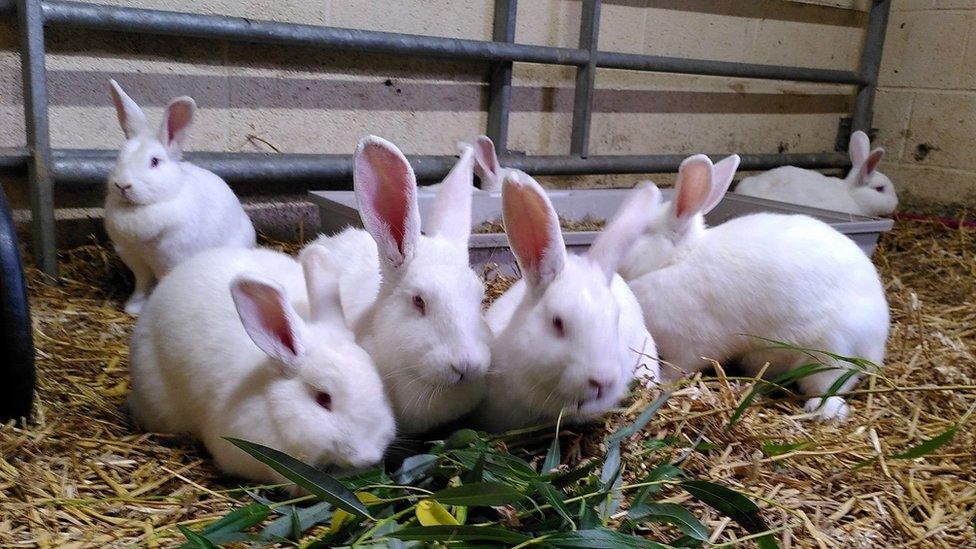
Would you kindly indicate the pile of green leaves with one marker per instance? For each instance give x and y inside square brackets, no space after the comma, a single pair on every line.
[468,491]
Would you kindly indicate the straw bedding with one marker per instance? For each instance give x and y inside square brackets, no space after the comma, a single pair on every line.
[81,476]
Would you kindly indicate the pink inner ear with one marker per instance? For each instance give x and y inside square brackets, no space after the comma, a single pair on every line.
[389,195]
[527,225]
[486,154]
[694,188]
[270,314]
[872,164]
[180,115]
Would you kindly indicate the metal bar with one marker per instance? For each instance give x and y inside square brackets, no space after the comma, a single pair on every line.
[30,21]
[579,143]
[84,167]
[500,80]
[874,37]
[137,20]
[679,65]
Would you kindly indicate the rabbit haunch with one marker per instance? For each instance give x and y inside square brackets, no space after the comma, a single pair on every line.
[569,337]
[412,297]
[159,210]
[222,351]
[708,293]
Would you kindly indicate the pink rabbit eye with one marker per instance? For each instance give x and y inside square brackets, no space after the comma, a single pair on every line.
[557,324]
[154,162]
[324,400]
[879,189]
[420,304]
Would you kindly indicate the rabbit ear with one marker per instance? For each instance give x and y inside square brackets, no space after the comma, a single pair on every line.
[533,229]
[131,118]
[722,174]
[612,245]
[488,166]
[858,148]
[386,190]
[866,170]
[450,214]
[322,284]
[269,320]
[694,187]
[175,126]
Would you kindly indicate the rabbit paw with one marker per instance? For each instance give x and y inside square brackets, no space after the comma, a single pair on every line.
[135,303]
[832,409]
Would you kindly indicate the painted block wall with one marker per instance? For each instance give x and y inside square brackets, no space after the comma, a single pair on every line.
[266,98]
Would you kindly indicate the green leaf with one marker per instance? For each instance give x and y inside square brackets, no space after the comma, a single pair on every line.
[195,540]
[479,493]
[305,476]
[836,386]
[767,542]
[728,502]
[600,538]
[237,521]
[772,449]
[476,473]
[307,517]
[671,513]
[685,541]
[763,387]
[641,420]
[611,466]
[665,471]
[555,498]
[415,467]
[459,533]
[553,456]
[461,439]
[930,445]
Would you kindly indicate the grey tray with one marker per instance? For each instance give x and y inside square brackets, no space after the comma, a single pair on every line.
[337,210]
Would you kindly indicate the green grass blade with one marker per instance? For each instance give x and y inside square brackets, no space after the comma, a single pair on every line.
[305,476]
[671,513]
[928,446]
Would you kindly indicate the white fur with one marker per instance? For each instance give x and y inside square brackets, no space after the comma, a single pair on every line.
[865,190]
[204,366]
[159,216]
[789,278]
[538,371]
[432,362]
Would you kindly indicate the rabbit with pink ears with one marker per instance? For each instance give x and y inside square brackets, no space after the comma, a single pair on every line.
[569,336]
[412,297]
[707,293]
[865,190]
[160,210]
[250,344]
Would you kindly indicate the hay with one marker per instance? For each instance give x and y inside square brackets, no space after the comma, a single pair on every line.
[80,476]
[586,223]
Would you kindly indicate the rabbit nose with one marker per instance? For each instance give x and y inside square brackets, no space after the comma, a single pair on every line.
[462,369]
[597,387]
[124,187]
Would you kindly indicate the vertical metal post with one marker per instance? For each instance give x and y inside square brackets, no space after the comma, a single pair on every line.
[585,79]
[500,81]
[30,19]
[874,37]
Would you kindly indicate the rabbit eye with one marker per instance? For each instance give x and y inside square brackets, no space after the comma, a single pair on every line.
[324,400]
[420,304]
[557,324]
[154,162]
[879,189]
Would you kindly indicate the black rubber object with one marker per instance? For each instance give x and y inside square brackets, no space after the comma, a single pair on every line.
[17,374]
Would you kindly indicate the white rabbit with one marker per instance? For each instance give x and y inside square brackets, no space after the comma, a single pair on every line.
[413,299]
[789,278]
[865,190]
[569,336]
[222,352]
[159,210]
